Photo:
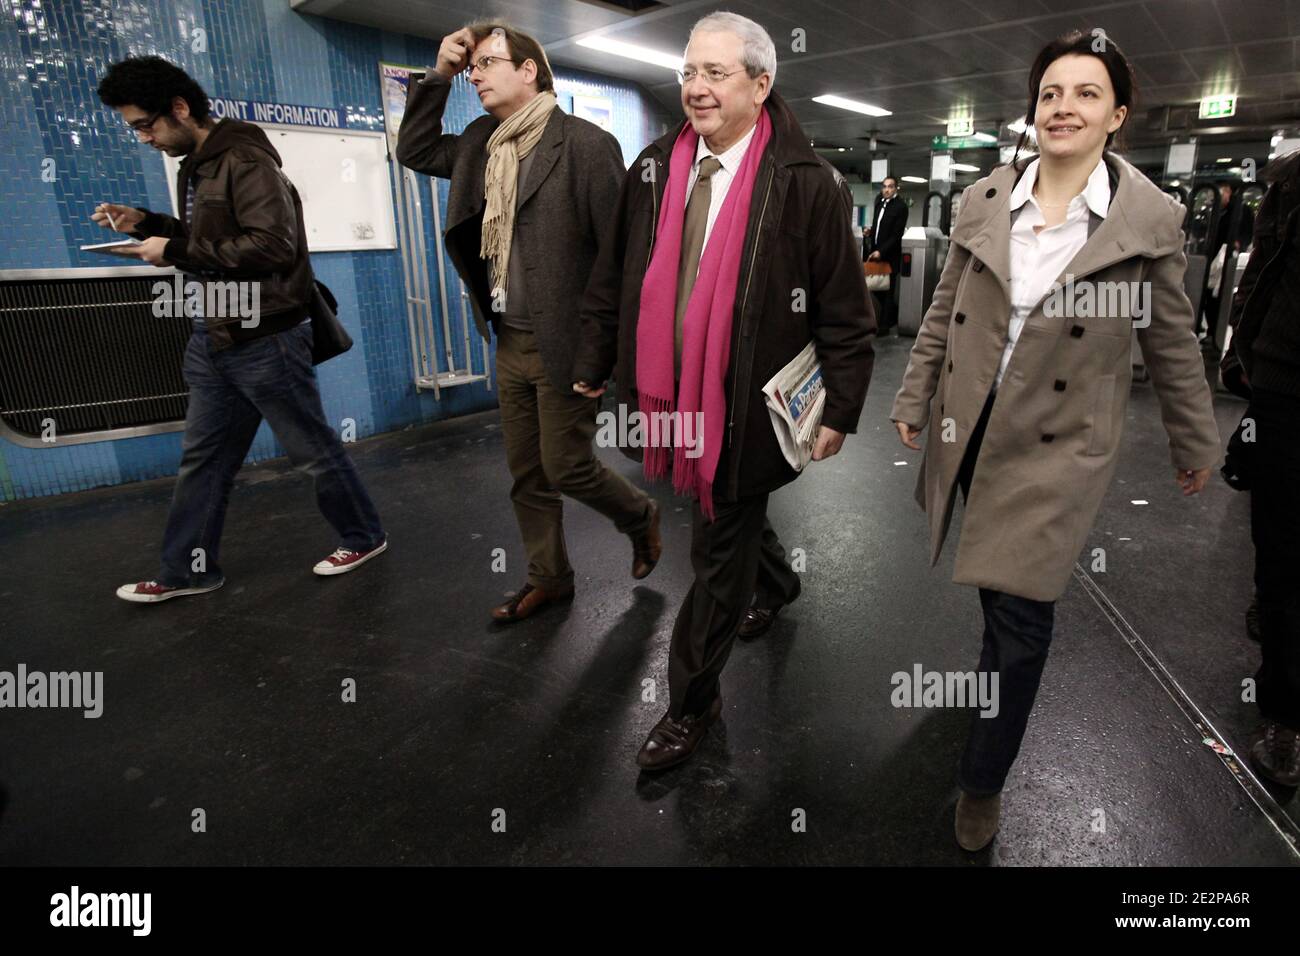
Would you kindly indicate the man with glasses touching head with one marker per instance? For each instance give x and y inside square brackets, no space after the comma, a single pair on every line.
[527,212]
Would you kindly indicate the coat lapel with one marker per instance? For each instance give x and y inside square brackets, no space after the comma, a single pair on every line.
[545,155]
[987,234]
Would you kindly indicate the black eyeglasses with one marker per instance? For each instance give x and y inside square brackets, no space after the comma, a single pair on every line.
[146,125]
[485,62]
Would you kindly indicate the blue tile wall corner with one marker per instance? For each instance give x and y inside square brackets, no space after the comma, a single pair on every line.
[53,54]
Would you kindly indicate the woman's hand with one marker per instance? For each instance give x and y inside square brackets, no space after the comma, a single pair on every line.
[908,435]
[582,388]
[1192,481]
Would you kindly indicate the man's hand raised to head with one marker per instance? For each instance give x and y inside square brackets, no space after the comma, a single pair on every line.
[454,53]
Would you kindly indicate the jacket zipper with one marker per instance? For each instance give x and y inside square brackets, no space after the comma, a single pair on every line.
[654,218]
[753,259]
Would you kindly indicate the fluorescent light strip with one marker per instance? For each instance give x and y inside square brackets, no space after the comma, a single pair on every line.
[914,179]
[829,99]
[963,168]
[632,52]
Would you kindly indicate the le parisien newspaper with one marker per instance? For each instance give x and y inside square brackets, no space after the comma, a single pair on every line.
[795,399]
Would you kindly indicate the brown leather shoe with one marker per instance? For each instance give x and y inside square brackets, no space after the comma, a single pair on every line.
[647,546]
[526,602]
[977,820]
[673,741]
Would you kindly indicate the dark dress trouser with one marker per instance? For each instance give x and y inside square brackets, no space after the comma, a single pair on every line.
[735,557]
[1017,634]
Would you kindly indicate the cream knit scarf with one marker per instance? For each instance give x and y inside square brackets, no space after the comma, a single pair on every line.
[509,143]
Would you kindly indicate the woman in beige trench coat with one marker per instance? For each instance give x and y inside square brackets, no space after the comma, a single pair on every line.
[1022,369]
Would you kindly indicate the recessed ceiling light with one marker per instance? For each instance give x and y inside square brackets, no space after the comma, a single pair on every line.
[632,51]
[829,99]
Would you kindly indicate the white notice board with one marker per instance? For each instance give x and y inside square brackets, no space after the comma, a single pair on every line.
[343,180]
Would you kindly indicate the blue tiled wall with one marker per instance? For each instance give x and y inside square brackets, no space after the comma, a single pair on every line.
[52,56]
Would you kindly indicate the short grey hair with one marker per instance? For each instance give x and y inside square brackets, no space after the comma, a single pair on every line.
[759,54]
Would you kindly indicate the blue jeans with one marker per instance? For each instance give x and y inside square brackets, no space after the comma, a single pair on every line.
[231,391]
[1017,636]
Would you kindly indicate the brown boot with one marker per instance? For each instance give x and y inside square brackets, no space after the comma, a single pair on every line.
[647,546]
[977,820]
[528,600]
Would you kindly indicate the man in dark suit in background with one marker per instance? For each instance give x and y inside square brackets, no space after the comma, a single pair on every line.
[885,244]
[529,207]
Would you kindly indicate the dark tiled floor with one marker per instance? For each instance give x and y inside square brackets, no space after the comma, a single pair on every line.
[231,702]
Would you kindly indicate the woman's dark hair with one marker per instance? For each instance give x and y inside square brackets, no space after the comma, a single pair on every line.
[522,48]
[150,82]
[1078,43]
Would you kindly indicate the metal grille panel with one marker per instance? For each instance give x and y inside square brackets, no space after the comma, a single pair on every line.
[90,355]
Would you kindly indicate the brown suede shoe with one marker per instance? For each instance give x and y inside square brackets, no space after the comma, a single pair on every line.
[673,741]
[977,820]
[647,547]
[527,601]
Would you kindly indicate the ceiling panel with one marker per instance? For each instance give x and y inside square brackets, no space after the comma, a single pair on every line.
[920,58]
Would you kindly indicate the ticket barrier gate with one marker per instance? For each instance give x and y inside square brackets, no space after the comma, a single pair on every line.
[925,248]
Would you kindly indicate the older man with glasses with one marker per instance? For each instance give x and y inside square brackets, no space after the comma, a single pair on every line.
[734,251]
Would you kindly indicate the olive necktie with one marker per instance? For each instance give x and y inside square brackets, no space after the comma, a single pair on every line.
[697,220]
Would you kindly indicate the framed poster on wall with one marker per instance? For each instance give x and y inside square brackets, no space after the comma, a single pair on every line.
[595,109]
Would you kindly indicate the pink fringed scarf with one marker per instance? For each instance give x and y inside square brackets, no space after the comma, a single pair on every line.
[706,327]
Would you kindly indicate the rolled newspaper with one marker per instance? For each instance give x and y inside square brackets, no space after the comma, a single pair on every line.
[795,399]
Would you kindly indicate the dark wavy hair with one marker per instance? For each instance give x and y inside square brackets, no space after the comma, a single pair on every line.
[1078,43]
[522,49]
[150,82]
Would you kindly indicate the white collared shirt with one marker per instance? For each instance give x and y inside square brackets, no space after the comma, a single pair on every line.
[875,230]
[1039,259]
[722,179]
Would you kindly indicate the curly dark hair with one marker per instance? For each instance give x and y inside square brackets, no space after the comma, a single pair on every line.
[150,82]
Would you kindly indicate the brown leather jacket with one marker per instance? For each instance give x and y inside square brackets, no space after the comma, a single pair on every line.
[246,226]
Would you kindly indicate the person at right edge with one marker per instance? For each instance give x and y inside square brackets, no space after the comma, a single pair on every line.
[1027,401]
[732,251]
[1266,317]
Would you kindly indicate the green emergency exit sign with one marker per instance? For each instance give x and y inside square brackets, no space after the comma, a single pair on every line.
[1218,107]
